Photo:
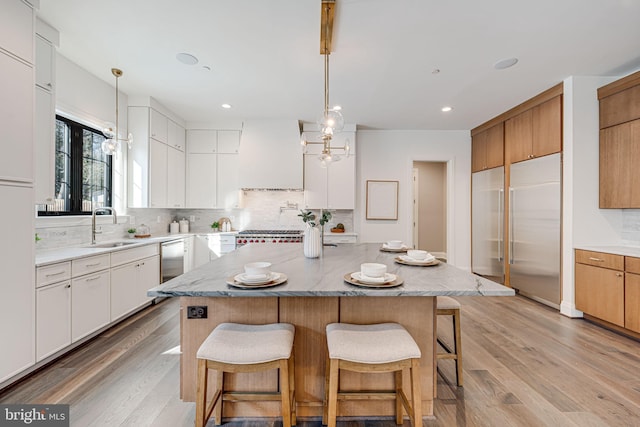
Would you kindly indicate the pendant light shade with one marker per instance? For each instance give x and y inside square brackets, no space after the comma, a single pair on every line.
[111,145]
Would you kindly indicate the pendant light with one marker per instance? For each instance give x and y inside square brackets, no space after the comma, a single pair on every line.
[111,145]
[331,121]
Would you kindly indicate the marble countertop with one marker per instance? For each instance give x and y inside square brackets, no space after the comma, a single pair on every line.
[633,251]
[324,276]
[51,256]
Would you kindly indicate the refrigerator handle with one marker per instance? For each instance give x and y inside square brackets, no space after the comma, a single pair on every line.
[500,224]
[511,225]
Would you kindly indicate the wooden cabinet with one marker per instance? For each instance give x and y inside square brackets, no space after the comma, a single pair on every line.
[90,304]
[535,132]
[487,148]
[608,288]
[620,101]
[619,160]
[53,318]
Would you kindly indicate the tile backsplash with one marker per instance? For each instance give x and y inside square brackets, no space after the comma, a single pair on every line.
[261,210]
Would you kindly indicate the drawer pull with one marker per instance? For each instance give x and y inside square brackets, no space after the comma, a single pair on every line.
[618,274]
[92,265]
[91,279]
[55,274]
[596,259]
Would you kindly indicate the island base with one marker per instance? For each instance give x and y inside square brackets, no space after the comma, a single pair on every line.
[310,315]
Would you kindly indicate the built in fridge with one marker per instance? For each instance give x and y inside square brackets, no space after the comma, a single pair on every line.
[534,228]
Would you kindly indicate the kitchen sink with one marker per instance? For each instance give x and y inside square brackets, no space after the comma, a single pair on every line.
[112,245]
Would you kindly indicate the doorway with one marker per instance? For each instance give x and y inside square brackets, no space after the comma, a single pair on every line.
[430,207]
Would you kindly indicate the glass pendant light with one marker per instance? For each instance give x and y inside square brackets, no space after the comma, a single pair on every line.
[111,145]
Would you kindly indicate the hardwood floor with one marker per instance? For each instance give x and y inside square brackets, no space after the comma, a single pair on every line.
[524,365]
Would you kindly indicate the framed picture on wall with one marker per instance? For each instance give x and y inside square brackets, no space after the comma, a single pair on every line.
[382,199]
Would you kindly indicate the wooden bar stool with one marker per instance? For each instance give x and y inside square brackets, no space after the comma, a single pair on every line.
[448,306]
[384,347]
[234,347]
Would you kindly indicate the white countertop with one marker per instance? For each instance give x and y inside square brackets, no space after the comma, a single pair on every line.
[633,251]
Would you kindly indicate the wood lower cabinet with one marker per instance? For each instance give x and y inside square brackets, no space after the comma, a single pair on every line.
[632,302]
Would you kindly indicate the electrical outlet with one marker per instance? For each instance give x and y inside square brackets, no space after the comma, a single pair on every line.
[197,312]
[158,219]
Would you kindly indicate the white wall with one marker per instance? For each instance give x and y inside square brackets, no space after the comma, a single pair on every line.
[85,98]
[389,155]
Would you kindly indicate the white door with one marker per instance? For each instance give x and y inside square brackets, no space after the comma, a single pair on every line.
[157,174]
[148,277]
[315,183]
[123,282]
[175,178]
[90,296]
[201,181]
[228,191]
[341,184]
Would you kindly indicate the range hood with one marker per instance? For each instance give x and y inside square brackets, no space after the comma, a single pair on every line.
[270,155]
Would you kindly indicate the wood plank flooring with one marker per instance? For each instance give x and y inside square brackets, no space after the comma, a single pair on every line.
[524,365]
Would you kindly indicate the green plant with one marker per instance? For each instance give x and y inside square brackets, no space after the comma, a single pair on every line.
[131,230]
[309,217]
[38,238]
[215,224]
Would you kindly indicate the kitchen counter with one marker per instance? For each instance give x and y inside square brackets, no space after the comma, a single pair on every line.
[315,295]
[633,251]
[324,276]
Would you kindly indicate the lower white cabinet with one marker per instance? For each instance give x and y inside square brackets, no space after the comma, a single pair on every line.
[129,285]
[90,308]
[53,318]
[189,252]
[208,247]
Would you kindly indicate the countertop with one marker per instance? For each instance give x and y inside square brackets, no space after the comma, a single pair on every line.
[633,251]
[324,276]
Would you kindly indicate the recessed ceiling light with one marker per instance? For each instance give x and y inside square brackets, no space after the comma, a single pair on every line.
[226,106]
[187,58]
[505,63]
[446,109]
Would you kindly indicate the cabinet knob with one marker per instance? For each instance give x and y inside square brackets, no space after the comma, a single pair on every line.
[618,274]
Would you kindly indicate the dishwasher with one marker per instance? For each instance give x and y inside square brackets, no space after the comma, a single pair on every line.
[172,259]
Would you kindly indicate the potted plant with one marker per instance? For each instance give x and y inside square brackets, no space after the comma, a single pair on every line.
[132,232]
[312,241]
[215,226]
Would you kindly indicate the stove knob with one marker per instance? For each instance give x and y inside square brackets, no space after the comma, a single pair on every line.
[280,241]
[274,241]
[262,241]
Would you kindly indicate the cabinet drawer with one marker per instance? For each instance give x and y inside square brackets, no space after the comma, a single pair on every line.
[133,254]
[88,265]
[632,264]
[600,259]
[227,239]
[53,273]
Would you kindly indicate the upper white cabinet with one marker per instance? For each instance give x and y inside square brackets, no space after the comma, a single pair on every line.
[228,141]
[17,30]
[270,155]
[45,54]
[156,160]
[45,146]
[203,141]
[202,180]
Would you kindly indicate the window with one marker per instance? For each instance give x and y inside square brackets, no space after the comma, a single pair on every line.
[82,171]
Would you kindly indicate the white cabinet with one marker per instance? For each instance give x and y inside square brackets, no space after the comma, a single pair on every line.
[175,178]
[339,238]
[176,136]
[53,318]
[201,180]
[159,126]
[157,174]
[16,31]
[189,252]
[332,187]
[228,141]
[45,54]
[228,175]
[202,141]
[90,307]
[130,283]
[212,246]
[16,118]
[44,147]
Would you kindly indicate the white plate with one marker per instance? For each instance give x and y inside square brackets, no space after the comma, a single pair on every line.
[349,278]
[280,280]
[254,280]
[388,277]
[386,248]
[410,261]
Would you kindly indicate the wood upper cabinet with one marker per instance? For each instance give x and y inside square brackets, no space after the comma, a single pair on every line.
[535,132]
[620,101]
[487,148]
[619,160]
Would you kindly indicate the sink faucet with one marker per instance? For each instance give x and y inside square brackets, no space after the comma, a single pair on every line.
[93,221]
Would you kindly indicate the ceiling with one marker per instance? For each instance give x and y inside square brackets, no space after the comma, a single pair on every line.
[265,55]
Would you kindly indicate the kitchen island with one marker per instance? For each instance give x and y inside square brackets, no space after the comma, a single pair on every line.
[314,295]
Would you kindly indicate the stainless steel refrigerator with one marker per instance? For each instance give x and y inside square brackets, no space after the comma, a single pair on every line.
[487,224]
[534,228]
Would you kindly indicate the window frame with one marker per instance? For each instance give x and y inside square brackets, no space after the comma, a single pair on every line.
[76,131]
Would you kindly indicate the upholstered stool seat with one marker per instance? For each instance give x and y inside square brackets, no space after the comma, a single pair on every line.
[234,347]
[384,347]
[447,306]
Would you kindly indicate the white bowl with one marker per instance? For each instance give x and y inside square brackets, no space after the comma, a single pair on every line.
[257,269]
[394,244]
[372,269]
[418,255]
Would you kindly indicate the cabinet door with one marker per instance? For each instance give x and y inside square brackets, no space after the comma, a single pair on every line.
[518,136]
[619,160]
[620,107]
[315,183]
[228,141]
[90,296]
[176,137]
[53,319]
[148,277]
[44,63]
[228,181]
[547,127]
[632,302]
[16,31]
[157,174]
[479,151]
[123,290]
[175,178]
[189,248]
[201,181]
[44,147]
[16,119]
[341,184]
[600,293]
[202,141]
[159,125]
